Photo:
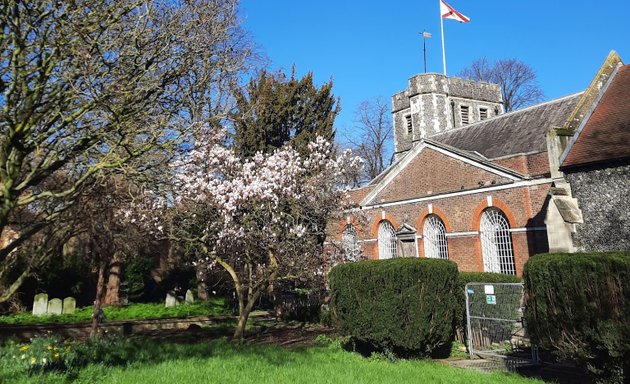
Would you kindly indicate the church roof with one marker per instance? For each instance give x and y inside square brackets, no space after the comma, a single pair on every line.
[521,131]
[605,133]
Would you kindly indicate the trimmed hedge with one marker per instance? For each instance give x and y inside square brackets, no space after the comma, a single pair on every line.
[579,306]
[476,277]
[405,305]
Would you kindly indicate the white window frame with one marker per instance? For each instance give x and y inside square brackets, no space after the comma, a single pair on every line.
[434,238]
[386,240]
[496,242]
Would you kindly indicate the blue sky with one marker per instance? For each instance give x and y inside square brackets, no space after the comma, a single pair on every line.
[371,48]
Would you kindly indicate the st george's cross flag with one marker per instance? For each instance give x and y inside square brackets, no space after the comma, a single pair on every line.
[449,12]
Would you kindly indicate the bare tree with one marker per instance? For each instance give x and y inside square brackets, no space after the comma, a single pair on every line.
[518,82]
[94,85]
[373,123]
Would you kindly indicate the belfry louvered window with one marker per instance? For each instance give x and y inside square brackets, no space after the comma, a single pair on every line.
[496,242]
[350,242]
[386,240]
[434,238]
[464,110]
[409,124]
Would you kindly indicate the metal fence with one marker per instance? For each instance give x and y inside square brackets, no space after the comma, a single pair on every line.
[495,326]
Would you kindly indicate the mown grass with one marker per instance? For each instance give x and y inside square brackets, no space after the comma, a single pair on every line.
[219,361]
[212,307]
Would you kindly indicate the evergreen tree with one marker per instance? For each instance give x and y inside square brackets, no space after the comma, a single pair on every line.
[275,110]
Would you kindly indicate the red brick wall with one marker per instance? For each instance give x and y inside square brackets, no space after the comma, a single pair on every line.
[523,206]
[532,165]
[538,164]
[517,163]
[430,173]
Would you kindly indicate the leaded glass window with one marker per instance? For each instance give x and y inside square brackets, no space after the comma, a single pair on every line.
[350,242]
[434,237]
[496,242]
[386,240]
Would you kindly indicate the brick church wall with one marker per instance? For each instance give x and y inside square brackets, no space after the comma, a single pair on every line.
[419,178]
[523,206]
[536,164]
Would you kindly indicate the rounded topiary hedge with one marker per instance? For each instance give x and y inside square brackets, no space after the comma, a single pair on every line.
[579,306]
[406,305]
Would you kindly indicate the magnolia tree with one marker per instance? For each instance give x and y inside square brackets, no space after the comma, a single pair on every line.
[260,219]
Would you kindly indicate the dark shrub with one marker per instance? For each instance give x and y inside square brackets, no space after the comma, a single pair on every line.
[579,306]
[300,305]
[404,305]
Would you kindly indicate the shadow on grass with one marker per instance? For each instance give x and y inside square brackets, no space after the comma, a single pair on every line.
[196,343]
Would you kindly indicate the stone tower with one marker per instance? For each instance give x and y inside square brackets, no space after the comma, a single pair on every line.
[434,103]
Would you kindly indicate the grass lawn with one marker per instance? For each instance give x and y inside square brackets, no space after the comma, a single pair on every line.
[218,361]
[212,307]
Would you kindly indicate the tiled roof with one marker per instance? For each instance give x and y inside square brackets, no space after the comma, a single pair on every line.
[605,136]
[521,131]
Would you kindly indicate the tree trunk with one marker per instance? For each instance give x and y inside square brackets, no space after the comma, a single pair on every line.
[112,295]
[244,311]
[252,296]
[7,292]
[100,288]
[202,286]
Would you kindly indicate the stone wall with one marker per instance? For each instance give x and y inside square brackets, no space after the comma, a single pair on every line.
[604,197]
[433,102]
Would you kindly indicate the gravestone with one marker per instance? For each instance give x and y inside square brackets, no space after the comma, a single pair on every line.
[190,298]
[55,306]
[171,300]
[69,305]
[40,304]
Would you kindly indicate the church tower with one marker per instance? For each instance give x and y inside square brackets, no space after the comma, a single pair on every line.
[435,103]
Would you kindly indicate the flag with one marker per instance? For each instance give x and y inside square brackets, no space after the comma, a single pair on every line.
[449,13]
[426,34]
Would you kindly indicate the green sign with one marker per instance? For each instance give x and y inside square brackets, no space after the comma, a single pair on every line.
[491,299]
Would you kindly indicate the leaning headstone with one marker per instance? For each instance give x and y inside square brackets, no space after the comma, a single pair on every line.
[69,305]
[55,306]
[40,304]
[171,300]
[190,298]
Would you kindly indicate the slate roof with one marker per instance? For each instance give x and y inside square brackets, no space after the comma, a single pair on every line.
[605,135]
[521,131]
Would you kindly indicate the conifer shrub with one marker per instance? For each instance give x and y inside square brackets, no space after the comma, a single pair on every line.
[578,305]
[406,306]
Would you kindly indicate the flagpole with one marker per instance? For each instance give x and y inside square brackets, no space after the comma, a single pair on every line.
[442,29]
[425,34]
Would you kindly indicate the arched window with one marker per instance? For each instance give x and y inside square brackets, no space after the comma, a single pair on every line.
[496,242]
[350,242]
[386,240]
[434,237]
